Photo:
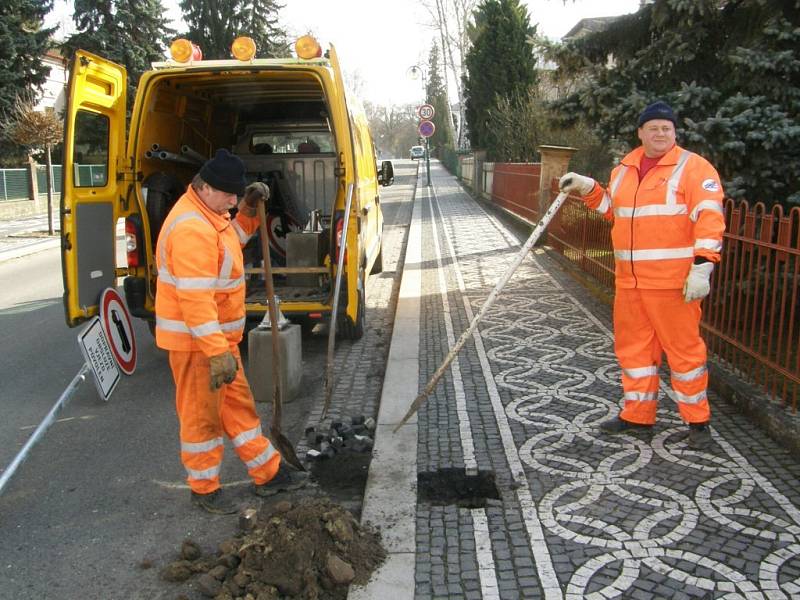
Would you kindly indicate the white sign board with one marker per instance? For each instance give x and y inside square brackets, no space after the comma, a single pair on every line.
[95,349]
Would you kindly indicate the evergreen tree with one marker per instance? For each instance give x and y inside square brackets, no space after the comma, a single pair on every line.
[436,94]
[23,43]
[132,33]
[214,24]
[729,68]
[499,64]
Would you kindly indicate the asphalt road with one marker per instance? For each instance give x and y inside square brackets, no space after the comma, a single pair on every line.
[102,495]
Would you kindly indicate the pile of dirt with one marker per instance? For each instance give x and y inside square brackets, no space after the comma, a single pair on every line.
[310,550]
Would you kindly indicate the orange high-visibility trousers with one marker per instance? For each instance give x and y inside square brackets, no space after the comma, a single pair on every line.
[205,415]
[645,323]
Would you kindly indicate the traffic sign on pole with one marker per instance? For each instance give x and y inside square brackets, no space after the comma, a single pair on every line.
[426,128]
[426,112]
[94,346]
[118,328]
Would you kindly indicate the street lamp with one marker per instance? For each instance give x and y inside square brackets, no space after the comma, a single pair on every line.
[416,72]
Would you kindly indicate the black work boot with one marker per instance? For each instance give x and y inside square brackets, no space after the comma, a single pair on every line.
[285,480]
[215,503]
[699,436]
[618,425]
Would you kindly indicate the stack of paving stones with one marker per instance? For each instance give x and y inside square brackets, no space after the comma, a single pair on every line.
[356,436]
[632,516]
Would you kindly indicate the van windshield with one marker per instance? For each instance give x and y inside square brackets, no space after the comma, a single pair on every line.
[295,142]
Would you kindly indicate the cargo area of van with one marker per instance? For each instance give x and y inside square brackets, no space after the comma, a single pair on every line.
[278,124]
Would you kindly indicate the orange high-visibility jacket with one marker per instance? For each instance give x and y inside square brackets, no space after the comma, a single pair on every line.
[661,223]
[200,293]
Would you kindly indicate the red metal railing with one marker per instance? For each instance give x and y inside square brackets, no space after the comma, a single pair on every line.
[515,187]
[751,319]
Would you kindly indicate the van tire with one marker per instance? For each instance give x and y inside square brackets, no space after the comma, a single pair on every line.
[345,327]
[163,190]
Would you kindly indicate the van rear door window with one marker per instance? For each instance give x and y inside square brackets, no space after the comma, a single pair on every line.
[90,149]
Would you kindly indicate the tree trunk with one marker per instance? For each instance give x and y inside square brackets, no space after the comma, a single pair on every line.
[49,191]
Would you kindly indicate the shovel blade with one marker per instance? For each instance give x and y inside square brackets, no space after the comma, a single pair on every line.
[285,448]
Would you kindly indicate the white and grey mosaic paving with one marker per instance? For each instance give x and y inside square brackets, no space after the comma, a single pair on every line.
[581,514]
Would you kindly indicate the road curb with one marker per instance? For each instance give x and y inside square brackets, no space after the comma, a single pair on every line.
[27,249]
[390,497]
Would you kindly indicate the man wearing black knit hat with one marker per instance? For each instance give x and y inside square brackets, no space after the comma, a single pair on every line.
[200,318]
[666,207]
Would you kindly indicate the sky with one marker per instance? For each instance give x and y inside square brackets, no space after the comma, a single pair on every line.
[378,41]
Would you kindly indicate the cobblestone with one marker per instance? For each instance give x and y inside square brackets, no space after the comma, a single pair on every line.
[633,516]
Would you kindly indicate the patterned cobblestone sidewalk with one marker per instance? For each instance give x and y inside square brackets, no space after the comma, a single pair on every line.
[553,508]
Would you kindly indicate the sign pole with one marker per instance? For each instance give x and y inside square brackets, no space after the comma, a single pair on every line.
[43,426]
[428,159]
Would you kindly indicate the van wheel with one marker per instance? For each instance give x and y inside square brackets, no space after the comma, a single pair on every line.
[377,266]
[345,327]
[163,190]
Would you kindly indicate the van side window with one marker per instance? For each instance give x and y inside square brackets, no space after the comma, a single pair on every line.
[90,150]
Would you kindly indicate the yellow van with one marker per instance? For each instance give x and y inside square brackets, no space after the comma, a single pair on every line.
[291,122]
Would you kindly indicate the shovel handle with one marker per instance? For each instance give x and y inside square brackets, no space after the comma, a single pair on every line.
[523,253]
[273,317]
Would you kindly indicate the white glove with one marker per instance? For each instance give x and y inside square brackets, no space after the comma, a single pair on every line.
[572,182]
[697,283]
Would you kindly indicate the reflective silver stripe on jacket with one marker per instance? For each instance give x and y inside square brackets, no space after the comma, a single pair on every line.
[652,210]
[200,330]
[694,399]
[689,375]
[240,233]
[641,396]
[261,458]
[246,436]
[640,372]
[197,447]
[708,244]
[674,179]
[712,205]
[205,474]
[654,254]
[605,204]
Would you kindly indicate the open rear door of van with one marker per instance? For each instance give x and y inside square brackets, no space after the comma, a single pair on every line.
[94,150]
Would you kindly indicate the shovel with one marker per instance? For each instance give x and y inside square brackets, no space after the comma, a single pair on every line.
[534,237]
[283,445]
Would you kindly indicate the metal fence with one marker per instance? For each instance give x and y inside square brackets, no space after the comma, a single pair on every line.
[14,184]
[751,319]
[41,178]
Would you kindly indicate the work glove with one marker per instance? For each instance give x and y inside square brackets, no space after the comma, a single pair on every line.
[572,182]
[223,369]
[698,283]
[253,194]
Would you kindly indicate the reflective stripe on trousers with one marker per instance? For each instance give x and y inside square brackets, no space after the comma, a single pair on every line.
[205,416]
[648,323]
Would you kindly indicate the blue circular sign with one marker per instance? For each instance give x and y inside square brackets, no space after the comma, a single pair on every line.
[426,128]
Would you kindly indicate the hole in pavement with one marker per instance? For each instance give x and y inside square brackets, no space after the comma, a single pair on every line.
[454,486]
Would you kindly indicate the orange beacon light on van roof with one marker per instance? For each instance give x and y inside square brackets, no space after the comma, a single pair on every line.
[182,50]
[307,47]
[243,48]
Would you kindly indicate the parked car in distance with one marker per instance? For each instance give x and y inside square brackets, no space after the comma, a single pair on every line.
[417,152]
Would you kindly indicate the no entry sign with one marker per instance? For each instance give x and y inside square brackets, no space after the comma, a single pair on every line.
[118,329]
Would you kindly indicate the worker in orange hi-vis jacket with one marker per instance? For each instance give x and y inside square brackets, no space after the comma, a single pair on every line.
[666,207]
[200,318]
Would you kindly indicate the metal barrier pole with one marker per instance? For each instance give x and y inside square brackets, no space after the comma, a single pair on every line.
[43,426]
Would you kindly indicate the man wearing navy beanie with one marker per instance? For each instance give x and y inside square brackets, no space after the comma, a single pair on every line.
[666,207]
[200,318]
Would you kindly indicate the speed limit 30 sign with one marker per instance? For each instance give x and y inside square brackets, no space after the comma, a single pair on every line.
[426,112]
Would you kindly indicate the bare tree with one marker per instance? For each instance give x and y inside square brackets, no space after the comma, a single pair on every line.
[450,19]
[35,129]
